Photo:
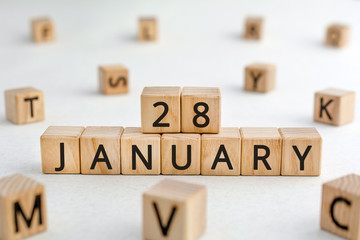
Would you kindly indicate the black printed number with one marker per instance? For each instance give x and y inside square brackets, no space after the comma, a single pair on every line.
[201,114]
[166,110]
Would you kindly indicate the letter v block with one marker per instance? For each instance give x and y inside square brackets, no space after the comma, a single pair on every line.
[113,79]
[340,208]
[260,77]
[174,210]
[22,207]
[334,106]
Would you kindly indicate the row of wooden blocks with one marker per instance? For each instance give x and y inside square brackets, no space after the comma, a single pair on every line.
[248,151]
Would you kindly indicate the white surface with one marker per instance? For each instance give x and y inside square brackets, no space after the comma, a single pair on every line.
[200,44]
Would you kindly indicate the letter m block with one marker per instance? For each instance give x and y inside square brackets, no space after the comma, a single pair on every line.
[22,207]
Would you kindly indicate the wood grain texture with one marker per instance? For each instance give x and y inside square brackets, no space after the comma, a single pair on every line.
[267,137]
[260,77]
[334,106]
[340,209]
[18,105]
[113,79]
[133,136]
[148,30]
[99,140]
[337,35]
[253,28]
[18,189]
[297,141]
[43,30]
[189,219]
[149,113]
[52,153]
[184,144]
[219,150]
[193,96]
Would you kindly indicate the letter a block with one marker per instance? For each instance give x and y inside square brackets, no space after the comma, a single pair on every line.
[100,150]
[253,28]
[24,105]
[261,151]
[42,30]
[113,79]
[148,29]
[334,106]
[174,210]
[60,149]
[140,153]
[337,35]
[340,209]
[22,207]
[220,153]
[260,77]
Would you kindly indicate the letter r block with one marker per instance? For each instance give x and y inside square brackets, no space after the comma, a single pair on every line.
[260,77]
[337,35]
[22,207]
[42,30]
[113,79]
[340,208]
[174,210]
[334,106]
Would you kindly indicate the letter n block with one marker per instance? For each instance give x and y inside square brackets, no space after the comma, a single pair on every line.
[174,210]
[140,153]
[340,208]
[253,28]
[337,35]
[220,152]
[334,106]
[60,149]
[42,30]
[24,105]
[148,29]
[22,207]
[200,110]
[100,150]
[261,151]
[113,79]
[260,77]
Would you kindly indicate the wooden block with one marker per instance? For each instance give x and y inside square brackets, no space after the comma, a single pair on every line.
[220,152]
[140,153]
[100,150]
[113,79]
[261,151]
[200,110]
[60,149]
[334,106]
[160,110]
[340,209]
[22,207]
[301,151]
[253,28]
[42,30]
[148,29]
[260,77]
[337,35]
[180,153]
[174,210]
[24,105]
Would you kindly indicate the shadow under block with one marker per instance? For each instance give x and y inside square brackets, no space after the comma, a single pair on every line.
[340,208]
[43,30]
[60,149]
[100,150]
[334,106]
[174,210]
[260,77]
[22,207]
[253,28]
[200,110]
[301,151]
[113,79]
[160,110]
[140,153]
[148,29]
[261,151]
[24,105]
[180,153]
[337,35]
[220,152]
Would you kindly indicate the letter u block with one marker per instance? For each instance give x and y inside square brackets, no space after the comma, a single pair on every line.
[260,77]
[22,207]
[340,209]
[113,79]
[42,30]
[24,105]
[334,106]
[174,210]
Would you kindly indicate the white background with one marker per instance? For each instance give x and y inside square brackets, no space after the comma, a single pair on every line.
[200,44]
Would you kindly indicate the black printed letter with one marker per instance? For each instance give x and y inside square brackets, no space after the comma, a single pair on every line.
[188,162]
[31,104]
[323,108]
[336,200]
[225,159]
[18,209]
[263,158]
[105,158]
[164,229]
[136,151]
[62,158]
[303,157]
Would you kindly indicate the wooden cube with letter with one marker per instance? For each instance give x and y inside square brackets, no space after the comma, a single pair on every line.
[337,35]
[148,29]
[253,28]
[174,210]
[260,77]
[22,207]
[43,30]
[113,79]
